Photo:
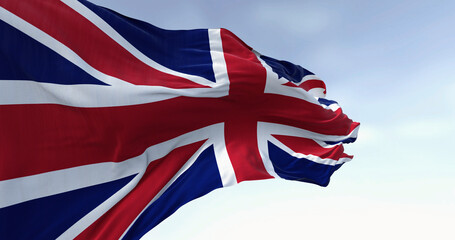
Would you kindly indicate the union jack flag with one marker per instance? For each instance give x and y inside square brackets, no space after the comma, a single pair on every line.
[109,124]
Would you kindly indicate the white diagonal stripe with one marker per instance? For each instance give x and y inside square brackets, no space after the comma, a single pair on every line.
[265,132]
[106,28]
[57,46]
[23,189]
[183,169]
[275,85]
[311,157]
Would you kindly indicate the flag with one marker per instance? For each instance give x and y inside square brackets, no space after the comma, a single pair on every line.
[109,124]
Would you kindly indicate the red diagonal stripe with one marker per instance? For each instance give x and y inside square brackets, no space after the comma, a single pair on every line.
[113,223]
[308,146]
[90,43]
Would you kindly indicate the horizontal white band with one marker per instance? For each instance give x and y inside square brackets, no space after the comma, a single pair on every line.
[30,92]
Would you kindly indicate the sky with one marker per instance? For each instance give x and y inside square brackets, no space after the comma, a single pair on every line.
[390,65]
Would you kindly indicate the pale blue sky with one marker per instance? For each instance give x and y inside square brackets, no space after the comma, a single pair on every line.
[390,65]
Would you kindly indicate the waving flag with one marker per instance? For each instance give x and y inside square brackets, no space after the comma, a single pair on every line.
[108,124]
